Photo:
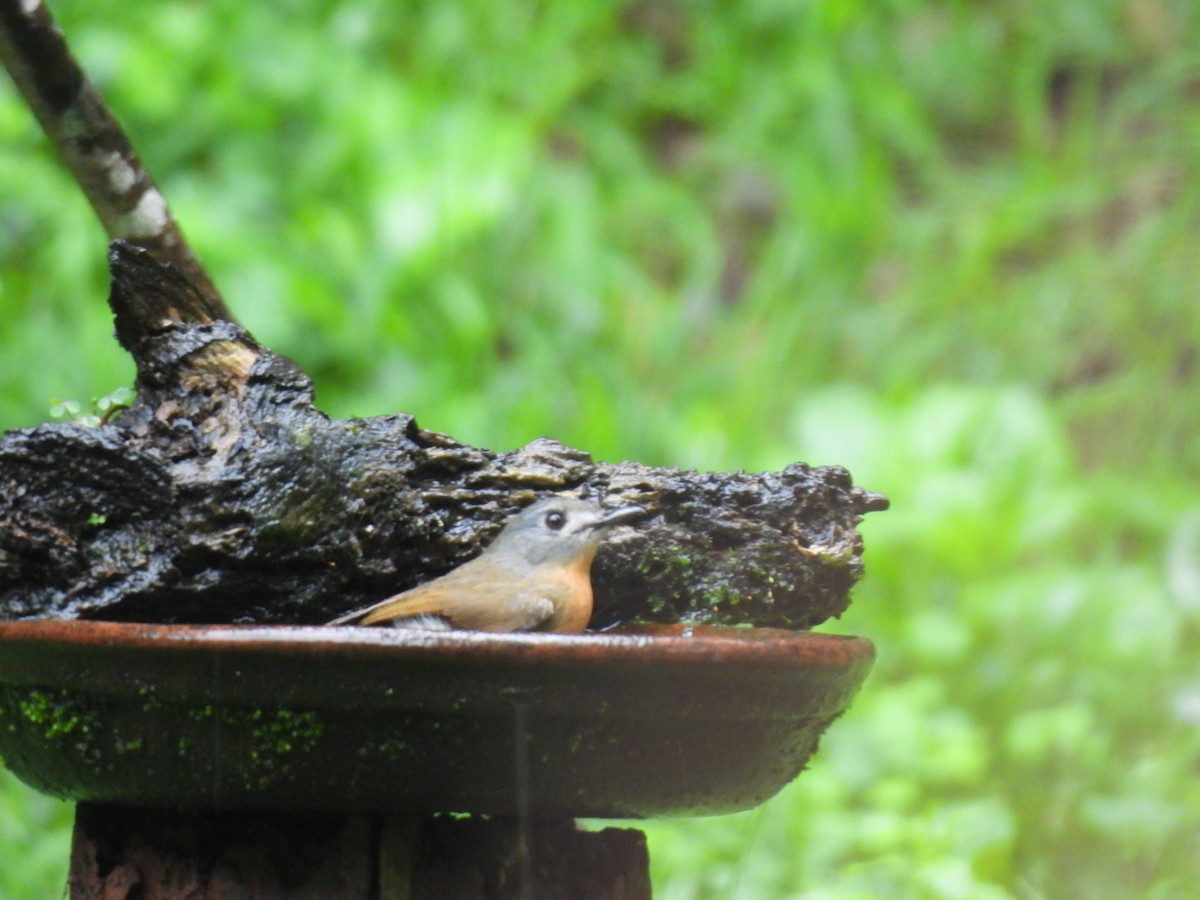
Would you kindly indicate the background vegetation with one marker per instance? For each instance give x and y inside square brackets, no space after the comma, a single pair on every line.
[950,245]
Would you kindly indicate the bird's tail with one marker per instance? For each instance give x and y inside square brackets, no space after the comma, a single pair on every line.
[349,617]
[422,603]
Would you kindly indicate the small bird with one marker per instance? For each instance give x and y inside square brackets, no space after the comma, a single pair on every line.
[535,576]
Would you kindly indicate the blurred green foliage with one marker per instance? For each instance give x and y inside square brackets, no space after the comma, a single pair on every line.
[952,246]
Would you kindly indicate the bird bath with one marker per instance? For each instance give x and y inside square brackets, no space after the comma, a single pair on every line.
[669,720]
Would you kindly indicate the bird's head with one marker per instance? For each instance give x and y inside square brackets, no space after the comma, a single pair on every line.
[558,531]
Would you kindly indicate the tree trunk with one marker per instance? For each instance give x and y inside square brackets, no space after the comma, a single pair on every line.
[121,853]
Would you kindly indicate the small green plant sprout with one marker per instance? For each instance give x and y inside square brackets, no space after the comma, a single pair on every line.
[111,404]
[64,409]
[103,408]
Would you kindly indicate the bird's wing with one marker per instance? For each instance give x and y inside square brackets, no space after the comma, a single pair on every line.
[483,608]
[524,612]
[420,601]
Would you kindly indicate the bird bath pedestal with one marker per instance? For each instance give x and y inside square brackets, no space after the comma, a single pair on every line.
[315,762]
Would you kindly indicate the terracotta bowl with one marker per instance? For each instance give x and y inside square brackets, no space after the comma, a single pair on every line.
[663,722]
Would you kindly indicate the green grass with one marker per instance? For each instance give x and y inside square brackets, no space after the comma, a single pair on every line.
[951,246]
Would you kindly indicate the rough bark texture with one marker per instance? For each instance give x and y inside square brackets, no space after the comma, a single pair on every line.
[224,495]
[122,853]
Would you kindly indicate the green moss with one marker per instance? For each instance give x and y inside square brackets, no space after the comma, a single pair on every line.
[257,742]
[669,573]
[657,603]
[286,732]
[718,594]
[274,737]
[201,713]
[150,701]
[668,563]
[132,745]
[257,746]
[58,713]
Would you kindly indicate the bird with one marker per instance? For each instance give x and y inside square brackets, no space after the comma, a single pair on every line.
[535,576]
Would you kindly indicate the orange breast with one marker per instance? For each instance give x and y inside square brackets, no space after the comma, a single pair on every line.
[573,615]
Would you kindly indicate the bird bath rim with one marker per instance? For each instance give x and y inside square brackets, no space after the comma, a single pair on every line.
[660,721]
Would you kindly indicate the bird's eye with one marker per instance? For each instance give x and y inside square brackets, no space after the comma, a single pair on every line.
[555,521]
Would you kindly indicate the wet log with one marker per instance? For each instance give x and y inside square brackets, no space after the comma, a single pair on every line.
[224,495]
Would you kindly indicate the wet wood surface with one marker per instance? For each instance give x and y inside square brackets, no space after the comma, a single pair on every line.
[129,853]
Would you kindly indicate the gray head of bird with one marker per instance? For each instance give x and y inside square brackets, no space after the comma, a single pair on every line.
[562,530]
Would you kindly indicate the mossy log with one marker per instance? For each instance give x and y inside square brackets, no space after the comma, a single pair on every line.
[224,495]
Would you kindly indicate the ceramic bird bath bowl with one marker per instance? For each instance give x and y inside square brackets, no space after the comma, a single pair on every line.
[668,721]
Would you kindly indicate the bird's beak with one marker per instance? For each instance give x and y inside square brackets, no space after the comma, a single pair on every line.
[618,517]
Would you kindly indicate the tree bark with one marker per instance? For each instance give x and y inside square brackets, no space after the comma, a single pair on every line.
[224,495]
